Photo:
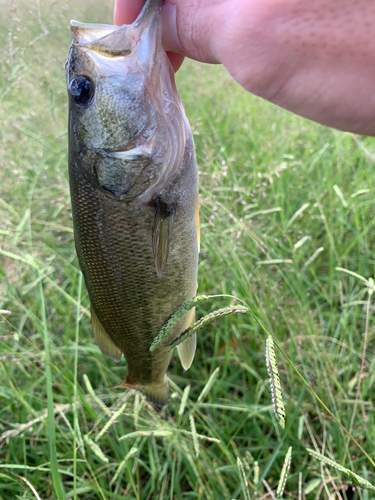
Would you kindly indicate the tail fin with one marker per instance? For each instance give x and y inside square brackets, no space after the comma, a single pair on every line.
[155,393]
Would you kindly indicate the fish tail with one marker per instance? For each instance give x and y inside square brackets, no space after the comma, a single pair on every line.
[156,393]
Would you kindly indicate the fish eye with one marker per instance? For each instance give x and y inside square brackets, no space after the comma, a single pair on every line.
[81,89]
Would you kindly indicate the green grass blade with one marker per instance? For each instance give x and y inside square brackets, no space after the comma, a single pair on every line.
[205,321]
[256,473]
[356,275]
[195,435]
[353,477]
[243,479]
[274,382]
[284,473]
[97,400]
[133,451]
[184,399]
[206,389]
[168,327]
[51,416]
[96,449]
[321,402]
[75,391]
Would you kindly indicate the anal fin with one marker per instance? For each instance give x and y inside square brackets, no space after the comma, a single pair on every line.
[186,350]
[162,227]
[103,340]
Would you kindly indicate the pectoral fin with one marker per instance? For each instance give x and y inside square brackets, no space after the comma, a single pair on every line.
[186,350]
[161,234]
[103,340]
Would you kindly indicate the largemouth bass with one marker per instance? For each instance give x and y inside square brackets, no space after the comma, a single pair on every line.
[134,191]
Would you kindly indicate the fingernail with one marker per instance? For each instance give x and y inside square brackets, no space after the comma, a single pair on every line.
[171,41]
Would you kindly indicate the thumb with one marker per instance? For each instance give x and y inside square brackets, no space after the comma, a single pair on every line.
[127,11]
[190,29]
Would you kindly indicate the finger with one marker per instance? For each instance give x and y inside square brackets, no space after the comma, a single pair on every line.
[126,11]
[193,28]
[170,38]
[176,60]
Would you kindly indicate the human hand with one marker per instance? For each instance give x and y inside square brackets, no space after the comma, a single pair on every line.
[316,58]
[126,11]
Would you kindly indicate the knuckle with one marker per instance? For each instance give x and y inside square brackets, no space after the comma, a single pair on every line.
[191,30]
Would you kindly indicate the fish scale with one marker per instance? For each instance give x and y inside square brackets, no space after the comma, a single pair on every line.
[132,306]
[134,195]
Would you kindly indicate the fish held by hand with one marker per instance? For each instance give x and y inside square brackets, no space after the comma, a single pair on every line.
[134,190]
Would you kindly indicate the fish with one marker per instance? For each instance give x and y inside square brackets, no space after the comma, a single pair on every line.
[134,193]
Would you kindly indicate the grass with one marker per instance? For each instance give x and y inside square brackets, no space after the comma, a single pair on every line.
[284,204]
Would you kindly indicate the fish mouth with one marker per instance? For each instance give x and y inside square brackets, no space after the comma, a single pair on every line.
[113,40]
[148,10]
